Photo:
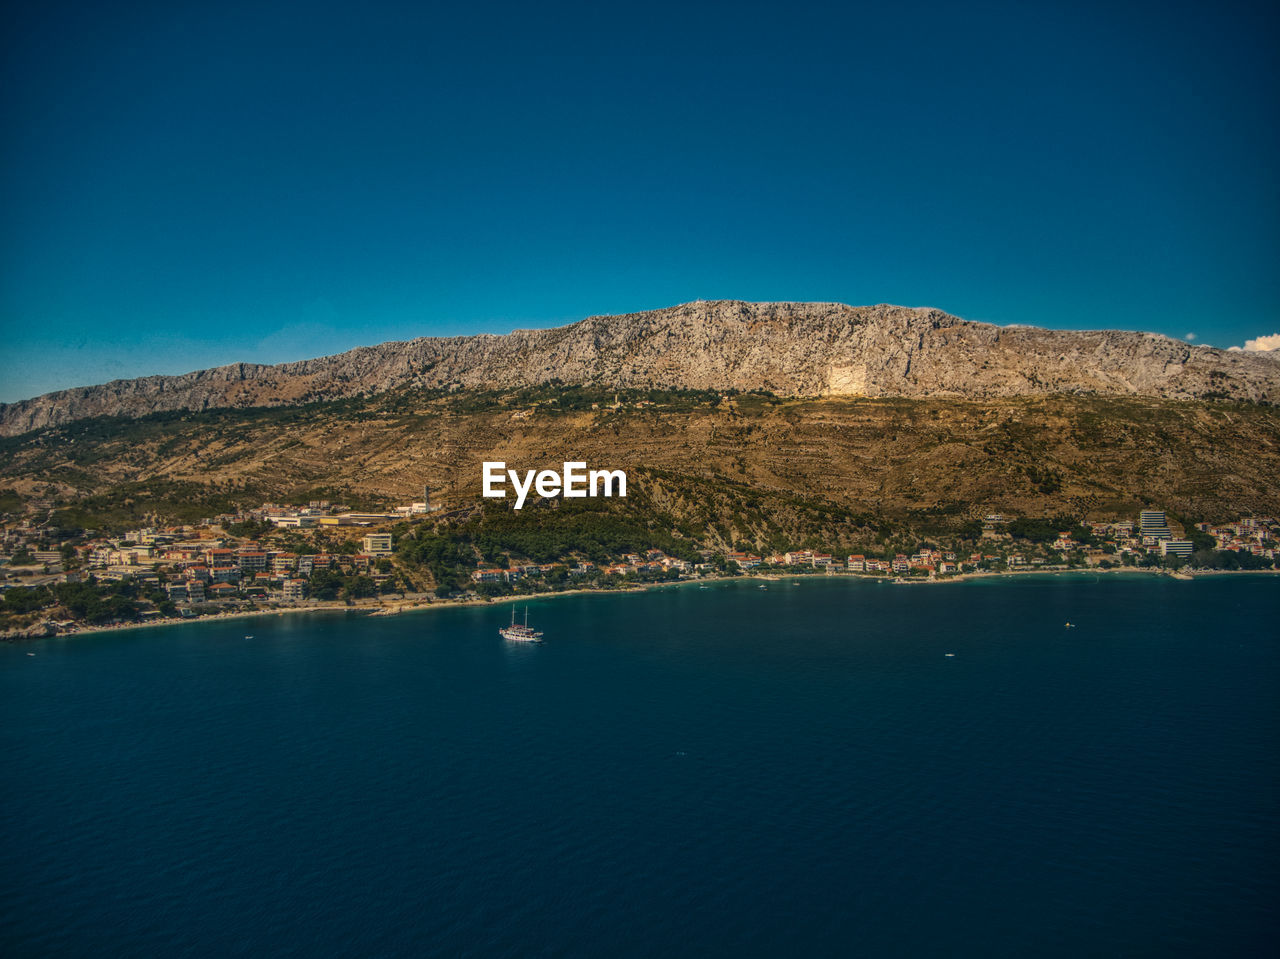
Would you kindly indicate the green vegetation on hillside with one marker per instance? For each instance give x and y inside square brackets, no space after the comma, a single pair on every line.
[753,469]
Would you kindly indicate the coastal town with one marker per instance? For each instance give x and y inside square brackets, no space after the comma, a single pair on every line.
[320,554]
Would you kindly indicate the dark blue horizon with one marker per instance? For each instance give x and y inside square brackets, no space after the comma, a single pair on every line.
[191,186]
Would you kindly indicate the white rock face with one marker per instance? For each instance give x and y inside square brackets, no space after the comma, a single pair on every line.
[799,349]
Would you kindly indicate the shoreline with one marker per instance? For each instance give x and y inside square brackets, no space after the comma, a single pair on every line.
[422,603]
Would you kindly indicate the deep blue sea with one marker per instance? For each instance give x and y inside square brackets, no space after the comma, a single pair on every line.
[795,771]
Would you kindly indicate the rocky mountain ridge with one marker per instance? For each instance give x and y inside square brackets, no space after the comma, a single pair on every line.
[793,349]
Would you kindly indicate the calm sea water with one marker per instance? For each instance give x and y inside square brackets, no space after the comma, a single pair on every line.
[729,771]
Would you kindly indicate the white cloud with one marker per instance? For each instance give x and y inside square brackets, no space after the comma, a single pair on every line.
[1263,344]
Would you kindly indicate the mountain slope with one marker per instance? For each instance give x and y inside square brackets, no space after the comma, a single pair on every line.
[792,349]
[755,468]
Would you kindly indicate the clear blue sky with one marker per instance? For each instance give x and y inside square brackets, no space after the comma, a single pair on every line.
[189,184]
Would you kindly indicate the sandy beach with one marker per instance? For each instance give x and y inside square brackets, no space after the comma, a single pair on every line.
[422,602]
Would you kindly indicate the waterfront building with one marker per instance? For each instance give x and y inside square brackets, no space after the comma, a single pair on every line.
[226,574]
[1152,522]
[252,560]
[1176,547]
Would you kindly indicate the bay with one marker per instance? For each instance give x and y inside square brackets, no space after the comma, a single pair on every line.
[798,770]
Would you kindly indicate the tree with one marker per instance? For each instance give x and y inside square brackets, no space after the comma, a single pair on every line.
[360,588]
[1201,540]
[325,584]
[249,529]
[1035,530]
[24,599]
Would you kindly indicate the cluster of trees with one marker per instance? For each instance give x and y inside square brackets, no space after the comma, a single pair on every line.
[250,529]
[558,576]
[22,557]
[10,501]
[1040,530]
[1227,559]
[547,533]
[128,504]
[334,584]
[1044,479]
[448,559]
[555,530]
[92,602]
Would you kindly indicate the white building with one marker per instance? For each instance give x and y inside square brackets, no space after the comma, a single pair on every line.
[377,544]
[1152,522]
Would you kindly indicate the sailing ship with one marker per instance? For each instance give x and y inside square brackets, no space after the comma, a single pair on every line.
[520,634]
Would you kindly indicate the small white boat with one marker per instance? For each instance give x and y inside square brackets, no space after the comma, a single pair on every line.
[520,634]
[950,655]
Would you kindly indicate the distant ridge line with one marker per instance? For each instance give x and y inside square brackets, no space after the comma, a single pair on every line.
[796,349]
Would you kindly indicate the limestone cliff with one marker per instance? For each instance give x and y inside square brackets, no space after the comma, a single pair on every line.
[798,349]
